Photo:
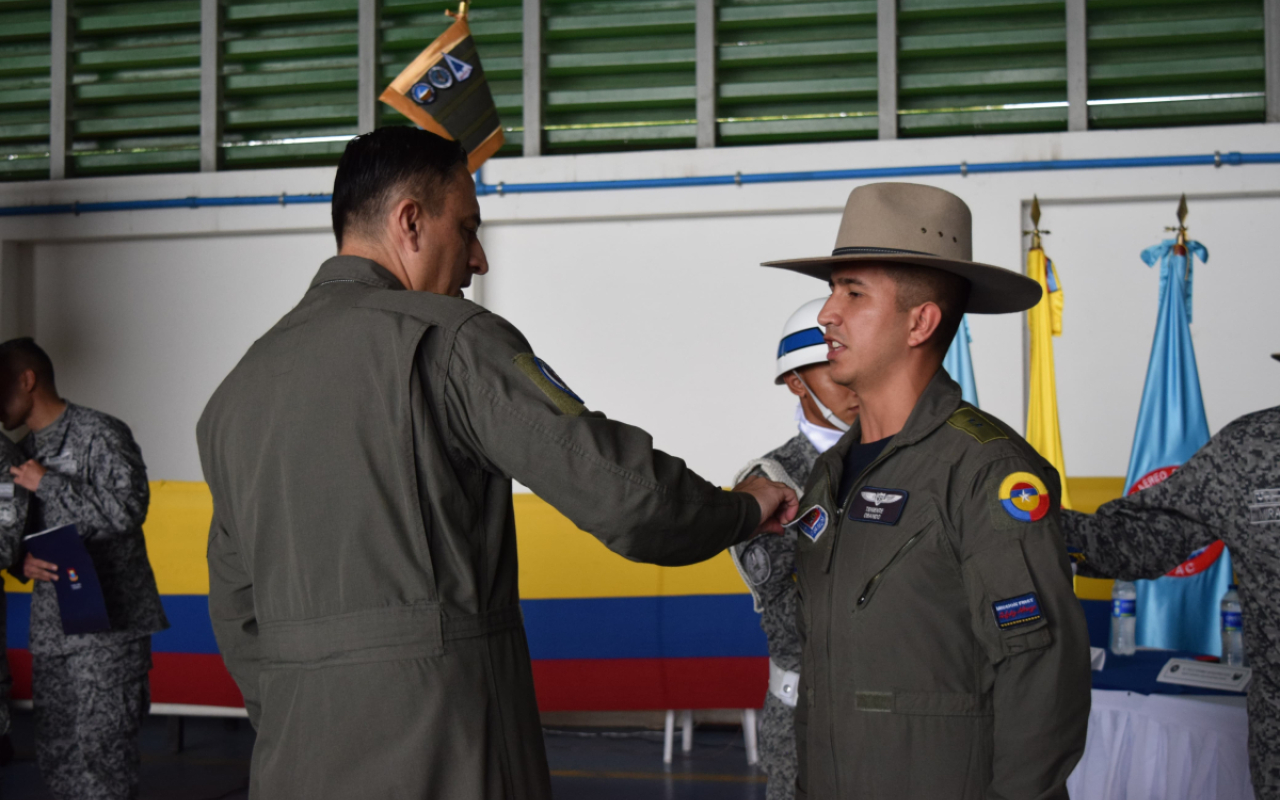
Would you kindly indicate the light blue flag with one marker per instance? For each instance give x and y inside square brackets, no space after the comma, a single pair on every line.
[1171,421]
[959,364]
[1178,611]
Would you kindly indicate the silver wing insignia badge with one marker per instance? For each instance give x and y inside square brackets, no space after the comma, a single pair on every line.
[880,498]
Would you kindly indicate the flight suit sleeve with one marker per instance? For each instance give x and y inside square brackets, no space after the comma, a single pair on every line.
[13,509]
[1151,531]
[231,610]
[114,500]
[802,704]
[510,413]
[1025,615]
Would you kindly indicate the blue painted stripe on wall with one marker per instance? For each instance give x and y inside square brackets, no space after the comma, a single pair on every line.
[691,626]
[189,628]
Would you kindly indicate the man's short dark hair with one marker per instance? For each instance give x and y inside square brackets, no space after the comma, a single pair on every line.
[919,285]
[381,167]
[19,355]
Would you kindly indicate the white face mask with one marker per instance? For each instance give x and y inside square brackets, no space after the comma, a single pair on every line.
[827,414]
[822,439]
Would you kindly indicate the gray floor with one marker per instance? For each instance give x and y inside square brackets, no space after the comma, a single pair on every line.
[585,764]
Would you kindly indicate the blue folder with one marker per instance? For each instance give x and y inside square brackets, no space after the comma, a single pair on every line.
[79,592]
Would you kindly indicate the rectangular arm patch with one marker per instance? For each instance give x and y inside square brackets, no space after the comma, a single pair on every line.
[1017,610]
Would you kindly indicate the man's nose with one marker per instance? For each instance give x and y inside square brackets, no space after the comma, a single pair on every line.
[827,316]
[479,261]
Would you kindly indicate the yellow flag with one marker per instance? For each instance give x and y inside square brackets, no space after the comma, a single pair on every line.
[1045,322]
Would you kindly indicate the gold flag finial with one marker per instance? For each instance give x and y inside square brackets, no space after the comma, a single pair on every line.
[1181,230]
[1035,231]
[461,13]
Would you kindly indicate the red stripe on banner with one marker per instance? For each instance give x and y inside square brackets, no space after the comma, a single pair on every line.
[20,669]
[195,679]
[632,684]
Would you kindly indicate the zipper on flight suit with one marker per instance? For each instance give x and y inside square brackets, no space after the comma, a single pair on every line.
[872,584]
[839,520]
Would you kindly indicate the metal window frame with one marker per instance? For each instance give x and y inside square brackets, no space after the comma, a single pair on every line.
[1271,24]
[59,89]
[1077,66]
[368,59]
[531,47]
[210,85]
[705,67]
[887,67]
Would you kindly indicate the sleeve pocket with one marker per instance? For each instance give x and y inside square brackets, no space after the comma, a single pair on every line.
[1008,616]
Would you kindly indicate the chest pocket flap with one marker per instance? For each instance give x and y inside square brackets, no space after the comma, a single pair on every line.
[1008,617]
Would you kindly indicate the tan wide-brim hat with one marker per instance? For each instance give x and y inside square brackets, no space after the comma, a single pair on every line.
[907,223]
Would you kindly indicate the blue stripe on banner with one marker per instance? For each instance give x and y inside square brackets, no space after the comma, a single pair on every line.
[189,628]
[805,338]
[691,626]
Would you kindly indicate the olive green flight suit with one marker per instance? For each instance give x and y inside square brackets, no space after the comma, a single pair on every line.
[945,654]
[362,556]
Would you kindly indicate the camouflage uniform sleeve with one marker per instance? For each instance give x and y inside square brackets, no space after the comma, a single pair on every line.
[231,610]
[1026,617]
[114,500]
[511,414]
[13,508]
[1150,532]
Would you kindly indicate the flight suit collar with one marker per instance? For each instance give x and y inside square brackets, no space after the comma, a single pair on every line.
[359,270]
[939,401]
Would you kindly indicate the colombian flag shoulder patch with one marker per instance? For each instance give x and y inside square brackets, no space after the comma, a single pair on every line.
[1024,497]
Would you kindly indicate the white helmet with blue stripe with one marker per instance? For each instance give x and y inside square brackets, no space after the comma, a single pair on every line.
[802,342]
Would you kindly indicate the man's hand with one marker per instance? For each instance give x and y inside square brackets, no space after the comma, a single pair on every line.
[778,503]
[38,570]
[28,475]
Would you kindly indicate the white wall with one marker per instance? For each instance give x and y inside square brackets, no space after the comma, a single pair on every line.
[649,303]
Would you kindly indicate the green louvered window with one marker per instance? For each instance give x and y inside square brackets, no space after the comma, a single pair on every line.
[981,66]
[289,91]
[135,73]
[24,90]
[618,74]
[1208,52]
[408,26]
[796,71]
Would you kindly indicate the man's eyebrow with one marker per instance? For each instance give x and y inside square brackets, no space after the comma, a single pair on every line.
[848,280]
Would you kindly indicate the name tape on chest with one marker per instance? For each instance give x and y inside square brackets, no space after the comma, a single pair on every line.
[1017,611]
[1265,508]
[882,506]
[1024,497]
[551,384]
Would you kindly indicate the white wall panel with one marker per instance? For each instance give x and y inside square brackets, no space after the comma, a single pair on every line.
[146,329]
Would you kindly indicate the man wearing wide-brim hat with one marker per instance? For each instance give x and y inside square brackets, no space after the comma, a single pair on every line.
[945,653]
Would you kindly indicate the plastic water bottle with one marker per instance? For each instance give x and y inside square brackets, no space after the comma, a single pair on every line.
[1124,618]
[1232,631]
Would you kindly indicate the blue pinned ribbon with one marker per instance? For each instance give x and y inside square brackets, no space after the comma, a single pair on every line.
[1176,266]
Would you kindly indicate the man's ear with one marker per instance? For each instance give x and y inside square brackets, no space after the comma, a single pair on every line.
[925,319]
[406,219]
[793,383]
[27,381]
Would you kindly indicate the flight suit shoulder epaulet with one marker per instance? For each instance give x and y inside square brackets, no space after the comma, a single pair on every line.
[434,309]
[974,423]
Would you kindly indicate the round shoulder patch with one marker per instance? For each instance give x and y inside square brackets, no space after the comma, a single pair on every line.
[550,374]
[1024,497]
[756,563]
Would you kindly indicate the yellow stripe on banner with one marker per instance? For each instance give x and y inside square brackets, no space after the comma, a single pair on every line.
[556,559]
[1089,494]
[559,561]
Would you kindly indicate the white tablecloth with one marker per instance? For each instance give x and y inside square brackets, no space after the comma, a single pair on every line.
[1163,747]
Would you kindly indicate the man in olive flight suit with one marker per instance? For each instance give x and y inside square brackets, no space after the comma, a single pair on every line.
[362,556]
[13,520]
[767,563]
[945,654]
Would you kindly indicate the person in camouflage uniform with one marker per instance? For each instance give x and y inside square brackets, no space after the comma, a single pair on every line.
[13,518]
[767,563]
[1229,490]
[90,691]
